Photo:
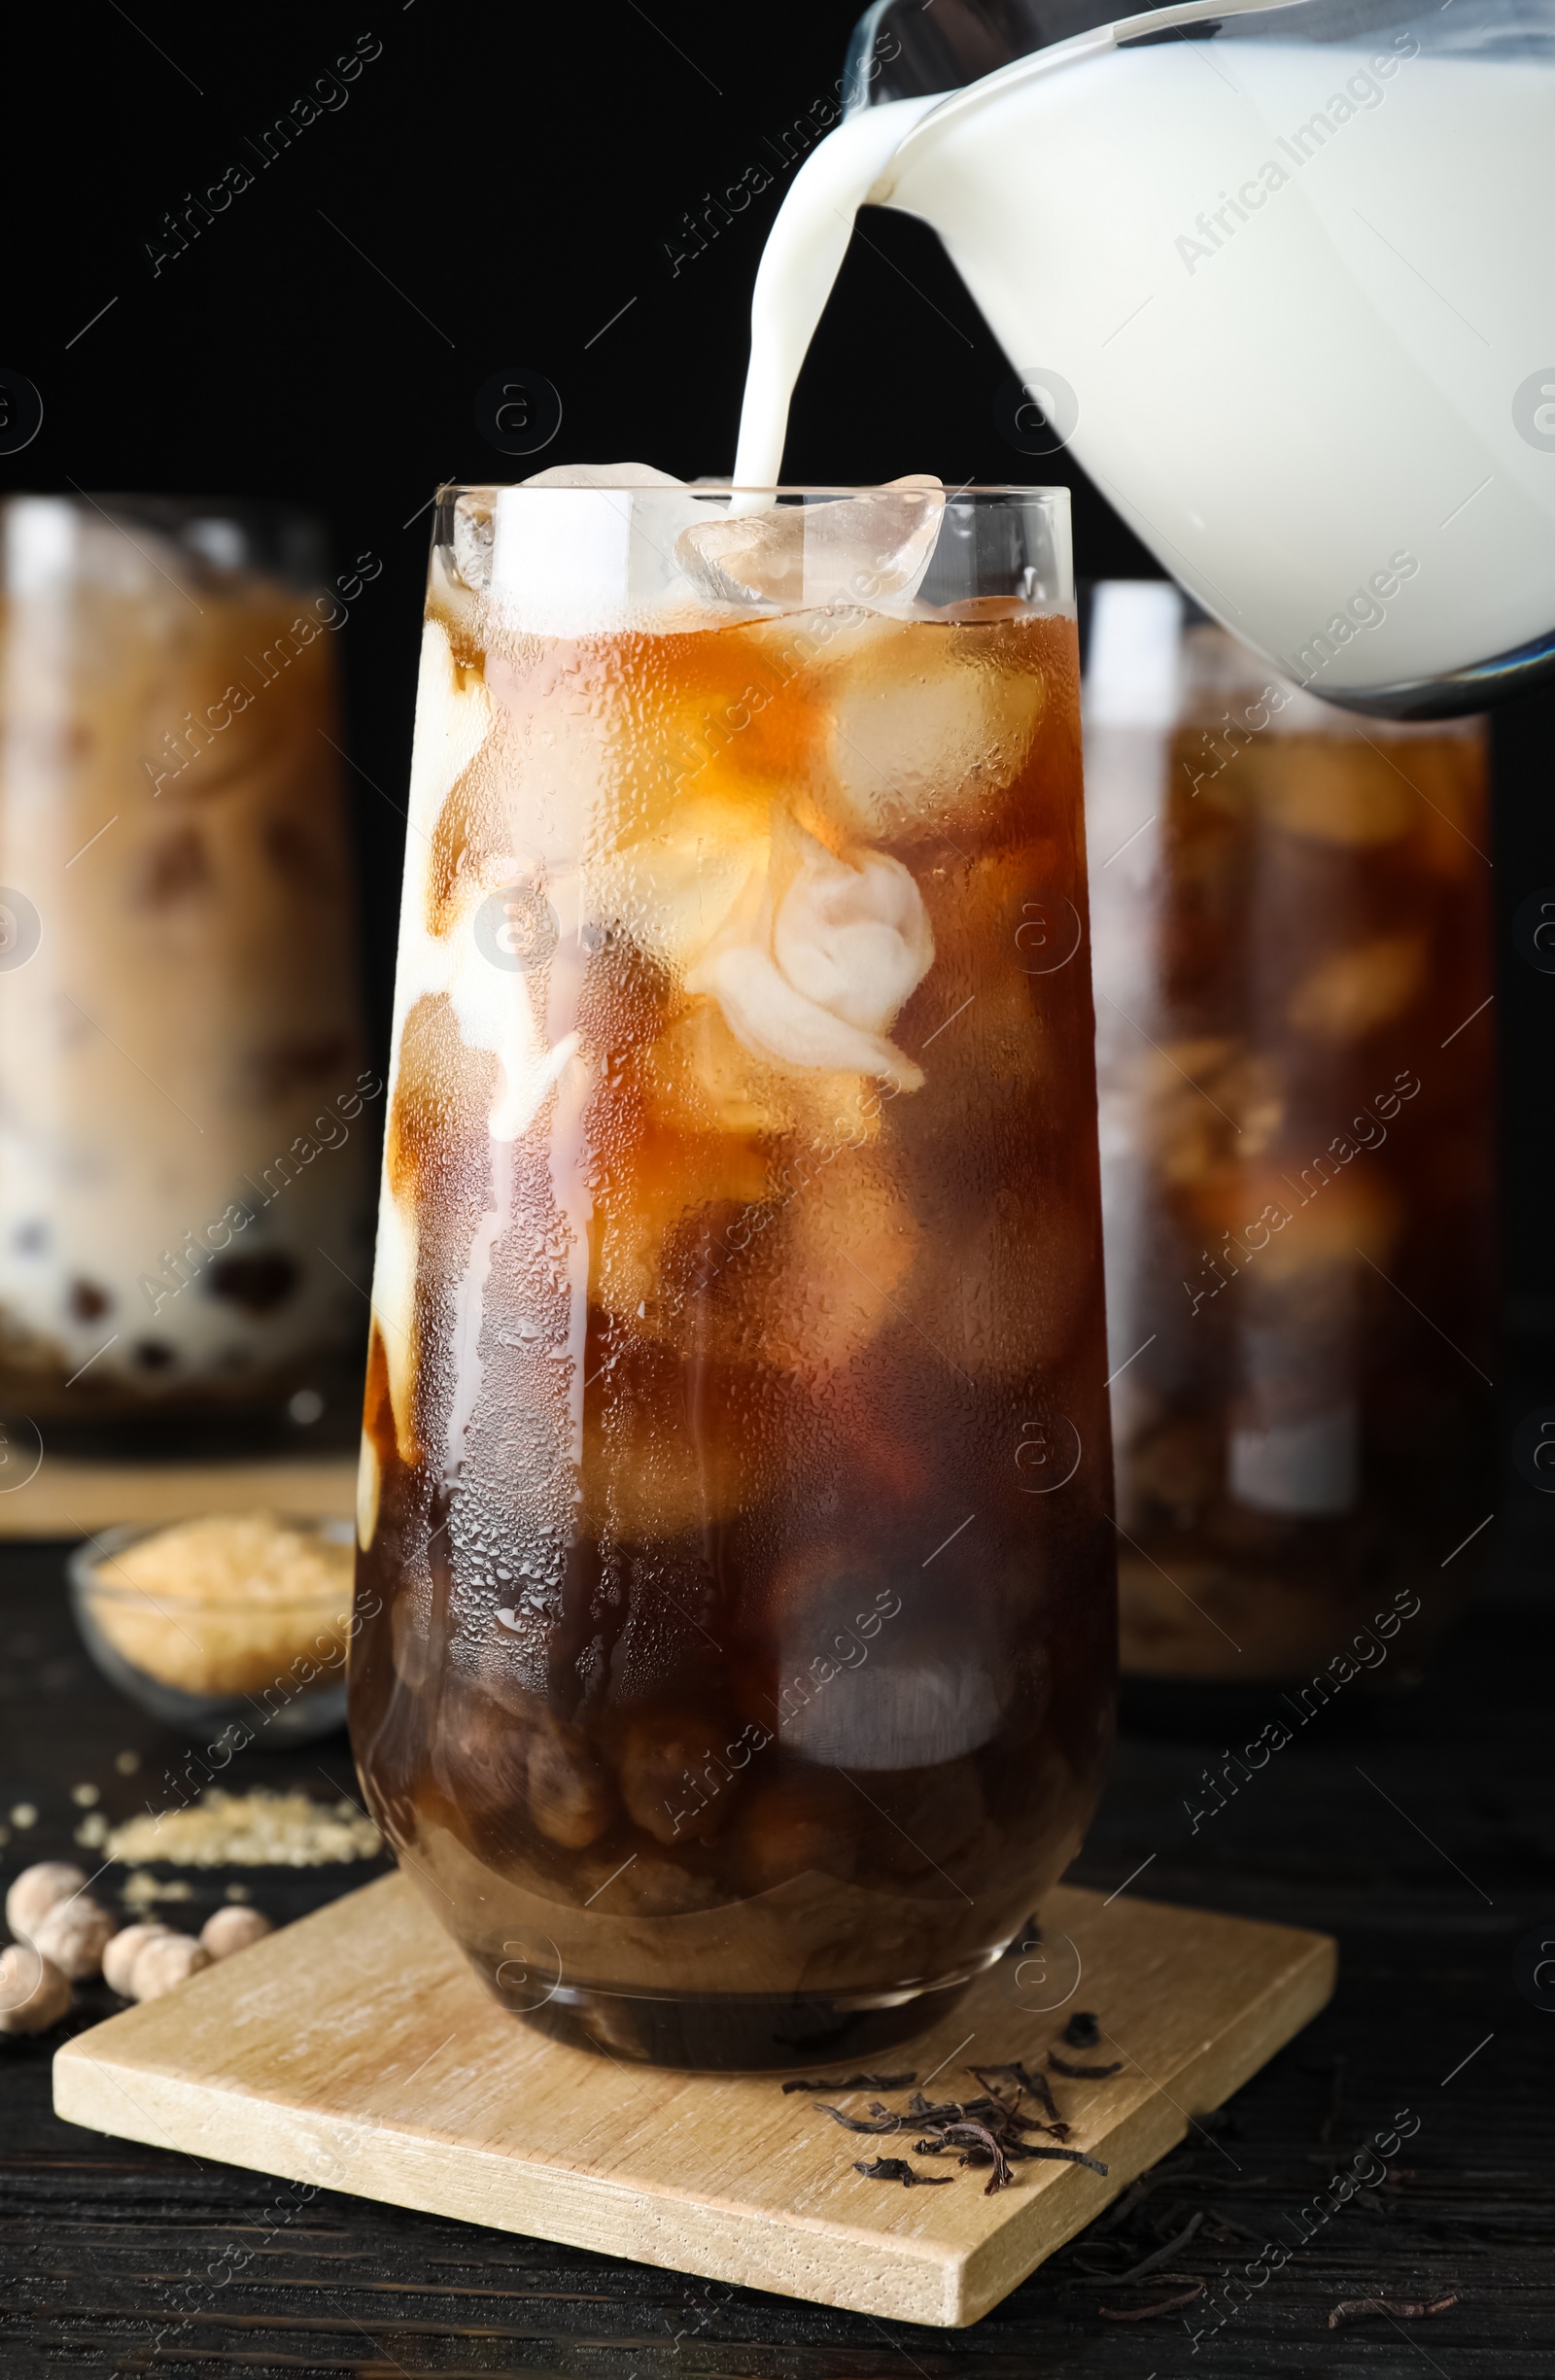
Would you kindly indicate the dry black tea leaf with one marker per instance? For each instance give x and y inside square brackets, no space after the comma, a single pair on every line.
[979,2146]
[1164,2255]
[1064,2157]
[1083,2031]
[886,2122]
[1161,2305]
[1403,2309]
[1035,2085]
[897,2169]
[950,2111]
[1000,2116]
[857,2081]
[988,2130]
[1082,2074]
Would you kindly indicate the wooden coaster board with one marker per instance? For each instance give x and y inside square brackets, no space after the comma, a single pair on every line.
[355,2051]
[69,1498]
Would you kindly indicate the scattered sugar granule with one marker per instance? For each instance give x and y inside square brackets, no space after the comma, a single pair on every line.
[143,1891]
[25,1815]
[93,1832]
[248,1830]
[83,1796]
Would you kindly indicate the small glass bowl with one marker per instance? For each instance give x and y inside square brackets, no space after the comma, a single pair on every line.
[279,1667]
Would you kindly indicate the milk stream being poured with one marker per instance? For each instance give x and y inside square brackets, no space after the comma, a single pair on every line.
[1291,294]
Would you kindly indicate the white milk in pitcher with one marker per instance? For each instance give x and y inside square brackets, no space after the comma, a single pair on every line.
[1293,296]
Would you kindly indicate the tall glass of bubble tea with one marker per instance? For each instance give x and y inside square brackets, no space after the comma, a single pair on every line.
[737,1575]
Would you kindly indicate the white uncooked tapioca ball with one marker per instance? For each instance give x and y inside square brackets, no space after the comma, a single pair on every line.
[233,1929]
[36,1891]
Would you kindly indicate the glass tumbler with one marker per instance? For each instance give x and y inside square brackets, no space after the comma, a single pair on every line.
[184,1107]
[737,1668]
[1296,1083]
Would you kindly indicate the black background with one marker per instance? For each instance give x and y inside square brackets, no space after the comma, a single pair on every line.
[520,175]
[499,186]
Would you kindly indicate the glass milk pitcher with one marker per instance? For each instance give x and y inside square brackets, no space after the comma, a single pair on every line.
[1278,275]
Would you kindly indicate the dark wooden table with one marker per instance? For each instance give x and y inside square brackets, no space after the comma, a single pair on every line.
[1420,1832]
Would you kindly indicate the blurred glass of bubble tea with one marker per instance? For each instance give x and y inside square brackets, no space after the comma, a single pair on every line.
[186,1110]
[1291,911]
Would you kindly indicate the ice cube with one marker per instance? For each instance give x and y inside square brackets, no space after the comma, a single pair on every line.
[667,1182]
[713,1264]
[1329,1218]
[560,557]
[571,765]
[602,475]
[915,1706]
[589,551]
[474,523]
[922,722]
[1332,789]
[1352,992]
[655,1464]
[437,1115]
[672,890]
[1009,1286]
[699,1078]
[1308,1465]
[853,549]
[843,1260]
[1193,1105]
[496,1011]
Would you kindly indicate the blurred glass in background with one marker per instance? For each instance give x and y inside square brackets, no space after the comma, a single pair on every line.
[1290,913]
[186,1114]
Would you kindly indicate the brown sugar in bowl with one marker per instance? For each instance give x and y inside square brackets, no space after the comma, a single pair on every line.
[228,1616]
